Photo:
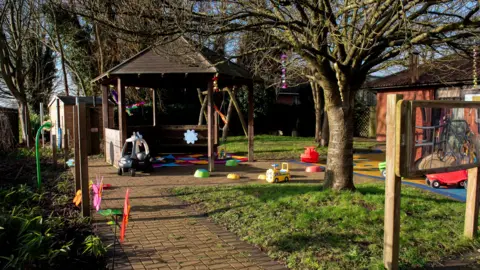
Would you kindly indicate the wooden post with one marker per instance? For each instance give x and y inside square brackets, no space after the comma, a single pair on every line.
[211,153]
[59,126]
[204,106]
[202,112]
[65,148]
[471,212]
[54,151]
[229,116]
[392,190]
[122,116]
[239,112]
[250,123]
[215,128]
[105,108]
[83,157]
[154,107]
[76,148]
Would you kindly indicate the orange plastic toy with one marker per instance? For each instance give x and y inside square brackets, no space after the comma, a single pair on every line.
[310,155]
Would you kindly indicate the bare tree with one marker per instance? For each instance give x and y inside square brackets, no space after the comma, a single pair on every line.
[15,22]
[340,41]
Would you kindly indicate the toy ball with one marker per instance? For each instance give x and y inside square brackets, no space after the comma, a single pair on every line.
[231,163]
[233,176]
[201,173]
[262,177]
[312,169]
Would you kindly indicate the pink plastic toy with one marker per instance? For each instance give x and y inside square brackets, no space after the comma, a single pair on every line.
[310,155]
[313,169]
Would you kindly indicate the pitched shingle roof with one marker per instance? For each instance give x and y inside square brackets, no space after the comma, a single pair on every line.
[442,72]
[7,103]
[177,57]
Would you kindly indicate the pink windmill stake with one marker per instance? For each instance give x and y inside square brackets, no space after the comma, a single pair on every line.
[97,188]
[284,70]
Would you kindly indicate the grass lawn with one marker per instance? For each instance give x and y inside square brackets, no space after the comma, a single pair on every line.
[268,147]
[311,228]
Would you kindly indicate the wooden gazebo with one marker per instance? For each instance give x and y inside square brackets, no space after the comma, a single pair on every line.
[177,64]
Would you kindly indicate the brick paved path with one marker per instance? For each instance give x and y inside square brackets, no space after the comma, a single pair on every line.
[164,233]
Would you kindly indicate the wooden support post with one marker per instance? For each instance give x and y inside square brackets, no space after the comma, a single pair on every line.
[65,148]
[210,124]
[229,116]
[76,150]
[83,157]
[250,123]
[473,195]
[392,191]
[104,90]
[215,128]
[154,107]
[122,116]
[203,101]
[54,152]
[239,112]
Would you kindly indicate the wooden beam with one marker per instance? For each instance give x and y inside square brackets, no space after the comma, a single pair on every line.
[76,148]
[59,126]
[250,123]
[471,212]
[210,124]
[239,112]
[83,157]
[105,108]
[203,101]
[392,191]
[229,116]
[65,148]
[122,116]
[220,90]
[215,128]
[154,105]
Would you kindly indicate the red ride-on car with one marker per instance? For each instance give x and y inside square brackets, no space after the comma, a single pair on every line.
[457,178]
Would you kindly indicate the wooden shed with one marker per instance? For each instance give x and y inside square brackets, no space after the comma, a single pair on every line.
[61,114]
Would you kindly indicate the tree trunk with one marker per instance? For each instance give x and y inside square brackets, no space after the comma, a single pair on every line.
[325,132]
[317,103]
[25,123]
[339,172]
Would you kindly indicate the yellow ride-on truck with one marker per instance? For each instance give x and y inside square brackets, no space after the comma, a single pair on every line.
[275,175]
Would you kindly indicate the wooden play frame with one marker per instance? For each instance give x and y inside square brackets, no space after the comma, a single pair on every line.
[399,157]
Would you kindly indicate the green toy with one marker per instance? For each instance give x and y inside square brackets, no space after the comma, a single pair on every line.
[47,125]
[231,163]
[382,166]
[201,173]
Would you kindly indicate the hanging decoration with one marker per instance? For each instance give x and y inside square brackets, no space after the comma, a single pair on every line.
[284,70]
[215,83]
[126,214]
[97,193]
[78,198]
[190,136]
[475,79]
[133,106]
[115,96]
